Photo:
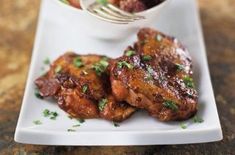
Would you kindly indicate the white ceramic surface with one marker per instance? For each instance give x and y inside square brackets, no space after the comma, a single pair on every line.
[56,33]
[97,28]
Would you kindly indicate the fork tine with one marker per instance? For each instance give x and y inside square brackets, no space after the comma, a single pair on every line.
[124,13]
[107,15]
[105,18]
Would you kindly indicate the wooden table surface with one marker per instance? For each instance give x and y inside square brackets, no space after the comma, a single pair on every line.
[17,29]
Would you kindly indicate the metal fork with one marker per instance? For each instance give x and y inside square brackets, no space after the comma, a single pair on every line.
[109,12]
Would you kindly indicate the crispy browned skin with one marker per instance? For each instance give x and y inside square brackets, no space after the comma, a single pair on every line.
[78,90]
[153,84]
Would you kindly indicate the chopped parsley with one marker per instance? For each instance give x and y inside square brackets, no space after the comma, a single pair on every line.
[51,114]
[46,61]
[78,62]
[102,104]
[65,1]
[102,2]
[179,67]
[121,64]
[37,122]
[100,66]
[70,117]
[171,105]
[37,94]
[116,124]
[197,119]
[183,126]
[58,69]
[147,58]
[130,53]
[84,88]
[71,130]
[80,120]
[159,37]
[188,82]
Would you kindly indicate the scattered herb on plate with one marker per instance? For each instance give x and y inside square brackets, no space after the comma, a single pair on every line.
[179,67]
[101,66]
[80,120]
[37,94]
[37,122]
[46,61]
[51,114]
[76,125]
[102,2]
[183,126]
[197,119]
[84,88]
[116,124]
[71,130]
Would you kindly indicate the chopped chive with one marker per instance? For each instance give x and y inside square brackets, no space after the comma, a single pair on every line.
[147,58]
[64,1]
[71,130]
[37,122]
[197,119]
[121,64]
[116,124]
[46,61]
[80,120]
[130,53]
[58,69]
[76,125]
[171,105]
[159,37]
[101,66]
[77,62]
[46,113]
[84,88]
[102,104]
[188,82]
[70,117]
[37,94]
[183,126]
[179,67]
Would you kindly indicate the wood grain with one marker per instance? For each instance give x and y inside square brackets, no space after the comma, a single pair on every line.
[18,20]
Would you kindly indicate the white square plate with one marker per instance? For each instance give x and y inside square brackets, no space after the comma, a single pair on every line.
[56,34]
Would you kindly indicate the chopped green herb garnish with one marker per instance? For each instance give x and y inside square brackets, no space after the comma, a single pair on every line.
[76,125]
[102,2]
[71,130]
[183,126]
[84,88]
[116,124]
[58,69]
[37,122]
[46,61]
[188,82]
[130,53]
[37,94]
[78,62]
[171,105]
[159,37]
[121,64]
[70,117]
[147,58]
[150,70]
[101,66]
[46,113]
[197,119]
[102,104]
[179,67]
[80,120]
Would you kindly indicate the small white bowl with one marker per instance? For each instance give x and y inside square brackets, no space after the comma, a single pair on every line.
[104,30]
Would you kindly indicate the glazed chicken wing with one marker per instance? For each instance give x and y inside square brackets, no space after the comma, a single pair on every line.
[156,75]
[82,88]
